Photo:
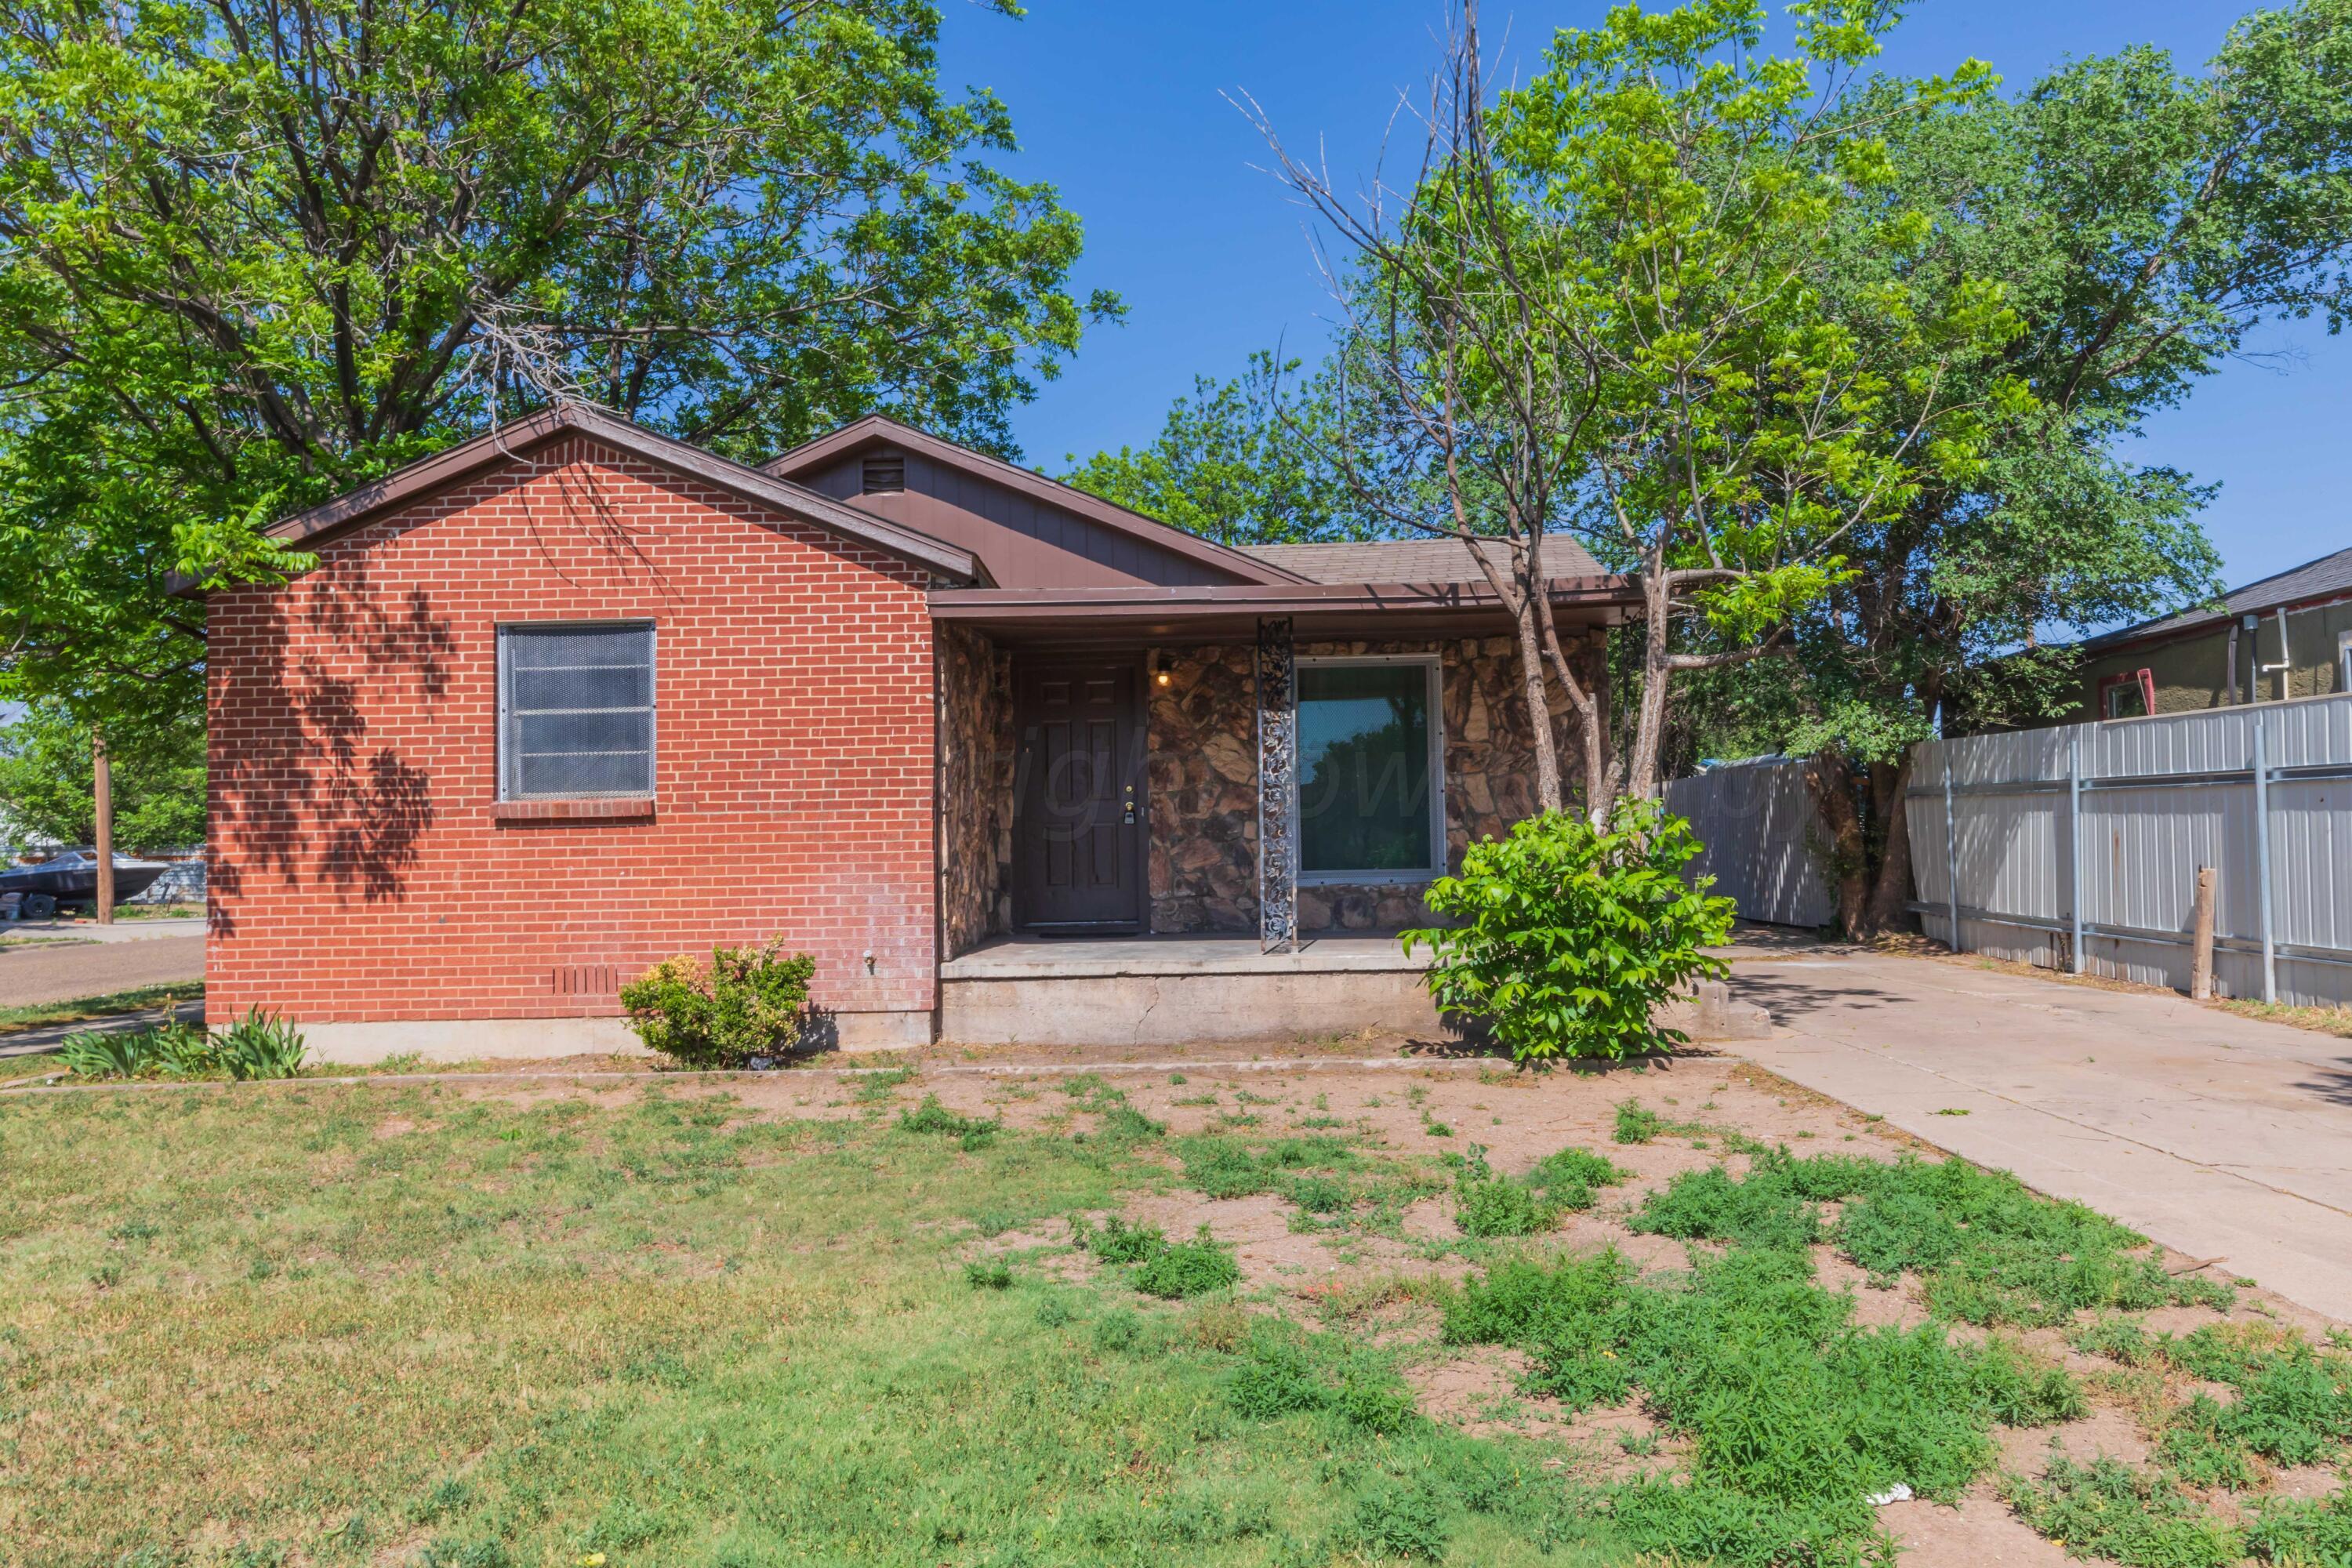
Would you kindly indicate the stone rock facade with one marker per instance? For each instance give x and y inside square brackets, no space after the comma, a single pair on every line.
[976,760]
[1202,799]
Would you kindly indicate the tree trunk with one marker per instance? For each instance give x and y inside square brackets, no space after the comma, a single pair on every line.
[1830,780]
[1531,667]
[1650,720]
[102,775]
[1892,888]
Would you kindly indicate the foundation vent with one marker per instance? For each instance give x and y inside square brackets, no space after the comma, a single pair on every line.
[585,980]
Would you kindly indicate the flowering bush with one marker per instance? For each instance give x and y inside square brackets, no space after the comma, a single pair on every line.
[741,1002]
[1567,936]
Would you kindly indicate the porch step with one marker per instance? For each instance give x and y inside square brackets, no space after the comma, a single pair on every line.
[1175,991]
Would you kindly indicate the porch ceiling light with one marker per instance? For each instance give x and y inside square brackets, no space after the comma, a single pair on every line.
[1161,669]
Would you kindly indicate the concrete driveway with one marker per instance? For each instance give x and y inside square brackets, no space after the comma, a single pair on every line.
[2226,1139]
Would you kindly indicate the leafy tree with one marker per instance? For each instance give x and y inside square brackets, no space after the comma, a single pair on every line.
[2141,223]
[1244,461]
[45,782]
[1593,312]
[253,254]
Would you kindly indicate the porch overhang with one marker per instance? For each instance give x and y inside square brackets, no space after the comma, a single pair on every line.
[1223,612]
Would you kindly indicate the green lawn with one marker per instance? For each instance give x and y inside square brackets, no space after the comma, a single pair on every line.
[276,1325]
[272,1326]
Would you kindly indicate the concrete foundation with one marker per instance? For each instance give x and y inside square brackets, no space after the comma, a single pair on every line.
[516,1039]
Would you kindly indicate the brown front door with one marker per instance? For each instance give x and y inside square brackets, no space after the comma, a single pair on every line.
[1078,825]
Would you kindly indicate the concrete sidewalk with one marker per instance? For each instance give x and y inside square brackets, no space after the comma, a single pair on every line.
[2226,1139]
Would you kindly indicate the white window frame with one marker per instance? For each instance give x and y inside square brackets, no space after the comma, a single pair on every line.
[1433,666]
[505,759]
[2344,661]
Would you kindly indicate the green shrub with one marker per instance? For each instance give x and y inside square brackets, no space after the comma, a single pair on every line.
[259,1044]
[104,1053]
[1494,1206]
[2295,1534]
[2197,1448]
[2019,1394]
[1486,1205]
[1764,1210]
[931,1117]
[2292,1408]
[1186,1268]
[1705,1522]
[2135,1518]
[1567,937]
[988,1274]
[1172,1270]
[1394,1520]
[1284,1373]
[1637,1123]
[1226,1167]
[741,1002]
[1118,1241]
[1577,1167]
[1316,1195]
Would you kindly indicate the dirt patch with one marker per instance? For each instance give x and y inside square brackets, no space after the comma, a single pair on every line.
[2106,1431]
[1981,1532]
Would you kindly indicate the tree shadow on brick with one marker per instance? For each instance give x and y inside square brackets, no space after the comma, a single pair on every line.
[301,794]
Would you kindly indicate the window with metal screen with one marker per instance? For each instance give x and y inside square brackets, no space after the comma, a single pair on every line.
[575,712]
[883,473]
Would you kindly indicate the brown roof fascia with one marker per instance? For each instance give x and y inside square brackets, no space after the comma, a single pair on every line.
[427,475]
[880,428]
[2214,624]
[1273,599]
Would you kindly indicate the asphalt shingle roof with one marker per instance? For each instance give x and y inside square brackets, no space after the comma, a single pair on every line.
[1418,560]
[2311,580]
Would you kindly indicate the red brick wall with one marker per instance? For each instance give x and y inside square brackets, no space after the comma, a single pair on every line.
[359,871]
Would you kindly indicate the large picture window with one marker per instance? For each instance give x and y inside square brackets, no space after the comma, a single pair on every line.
[576,710]
[1370,790]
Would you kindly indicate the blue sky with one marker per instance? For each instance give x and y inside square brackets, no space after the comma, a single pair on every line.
[1117,104]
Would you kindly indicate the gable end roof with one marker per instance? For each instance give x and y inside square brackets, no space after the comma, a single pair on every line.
[880,429]
[445,468]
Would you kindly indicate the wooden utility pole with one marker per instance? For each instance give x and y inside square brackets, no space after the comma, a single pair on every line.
[102,775]
[2200,963]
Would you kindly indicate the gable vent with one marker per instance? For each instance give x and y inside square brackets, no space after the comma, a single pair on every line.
[885,472]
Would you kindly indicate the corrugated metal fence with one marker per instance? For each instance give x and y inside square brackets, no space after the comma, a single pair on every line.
[1757,822]
[2078,848]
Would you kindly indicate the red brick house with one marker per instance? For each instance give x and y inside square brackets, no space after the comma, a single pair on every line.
[572,698]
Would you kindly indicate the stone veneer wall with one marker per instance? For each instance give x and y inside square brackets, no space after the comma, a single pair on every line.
[1203,799]
[976,760]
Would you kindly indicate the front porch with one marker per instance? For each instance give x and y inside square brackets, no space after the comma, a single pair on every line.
[1182,990]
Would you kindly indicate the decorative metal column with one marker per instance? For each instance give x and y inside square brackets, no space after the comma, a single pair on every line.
[1277,787]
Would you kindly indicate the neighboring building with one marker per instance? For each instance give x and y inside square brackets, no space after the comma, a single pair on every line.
[572,698]
[2288,636]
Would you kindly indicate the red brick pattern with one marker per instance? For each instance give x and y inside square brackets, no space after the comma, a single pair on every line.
[361,866]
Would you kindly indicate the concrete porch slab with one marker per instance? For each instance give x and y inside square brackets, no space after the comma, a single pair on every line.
[1182,991]
[1044,958]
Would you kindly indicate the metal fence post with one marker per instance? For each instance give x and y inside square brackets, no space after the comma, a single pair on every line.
[2263,859]
[1951,850]
[2075,847]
